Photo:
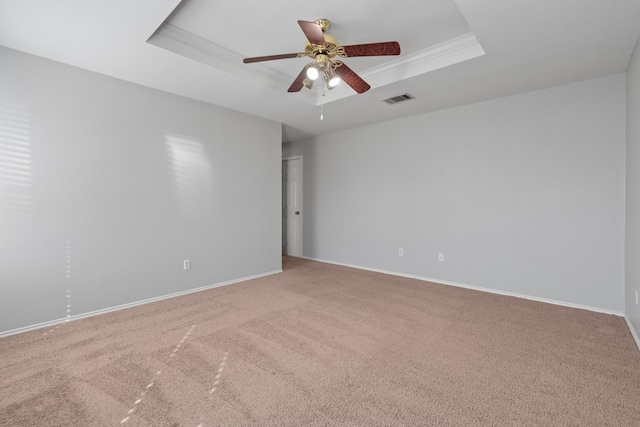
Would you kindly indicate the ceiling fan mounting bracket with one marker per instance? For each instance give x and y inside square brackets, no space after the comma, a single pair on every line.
[323,23]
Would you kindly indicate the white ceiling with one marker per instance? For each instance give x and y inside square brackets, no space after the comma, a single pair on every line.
[454,52]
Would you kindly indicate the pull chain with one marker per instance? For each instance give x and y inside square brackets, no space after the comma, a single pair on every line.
[322,104]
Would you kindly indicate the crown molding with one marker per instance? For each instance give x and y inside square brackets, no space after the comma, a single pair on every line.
[184,43]
[450,52]
[188,45]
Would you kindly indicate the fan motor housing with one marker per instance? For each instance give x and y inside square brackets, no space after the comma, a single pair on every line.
[330,48]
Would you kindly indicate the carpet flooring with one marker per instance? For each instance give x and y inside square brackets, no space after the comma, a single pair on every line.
[325,345]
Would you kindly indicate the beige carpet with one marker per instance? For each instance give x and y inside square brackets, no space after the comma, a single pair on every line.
[326,345]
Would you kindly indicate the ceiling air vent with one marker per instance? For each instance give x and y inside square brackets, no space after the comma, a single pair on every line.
[399,98]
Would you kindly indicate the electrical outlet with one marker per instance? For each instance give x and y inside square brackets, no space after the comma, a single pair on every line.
[400,252]
[441,256]
[186,264]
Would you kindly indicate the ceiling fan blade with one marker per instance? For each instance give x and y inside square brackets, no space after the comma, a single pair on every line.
[269,58]
[352,79]
[372,49]
[297,83]
[313,32]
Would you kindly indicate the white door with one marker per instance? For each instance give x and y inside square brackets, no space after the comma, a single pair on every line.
[292,206]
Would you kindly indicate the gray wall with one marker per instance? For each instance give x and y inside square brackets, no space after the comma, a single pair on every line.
[106,187]
[523,195]
[632,241]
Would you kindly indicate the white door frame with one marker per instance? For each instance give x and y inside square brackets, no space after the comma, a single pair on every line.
[301,217]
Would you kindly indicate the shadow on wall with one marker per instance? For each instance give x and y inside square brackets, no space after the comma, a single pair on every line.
[16,197]
[191,174]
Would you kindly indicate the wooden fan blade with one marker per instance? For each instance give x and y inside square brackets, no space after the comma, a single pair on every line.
[313,32]
[372,49]
[269,58]
[352,79]
[297,83]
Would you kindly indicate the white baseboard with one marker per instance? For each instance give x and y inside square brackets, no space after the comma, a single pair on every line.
[129,305]
[634,333]
[476,288]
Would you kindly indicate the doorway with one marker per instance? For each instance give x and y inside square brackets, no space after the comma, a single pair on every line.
[292,212]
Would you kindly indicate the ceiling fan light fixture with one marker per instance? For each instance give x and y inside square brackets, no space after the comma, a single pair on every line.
[307,83]
[331,78]
[312,72]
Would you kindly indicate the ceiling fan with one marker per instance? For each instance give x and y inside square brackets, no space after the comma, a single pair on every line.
[322,48]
